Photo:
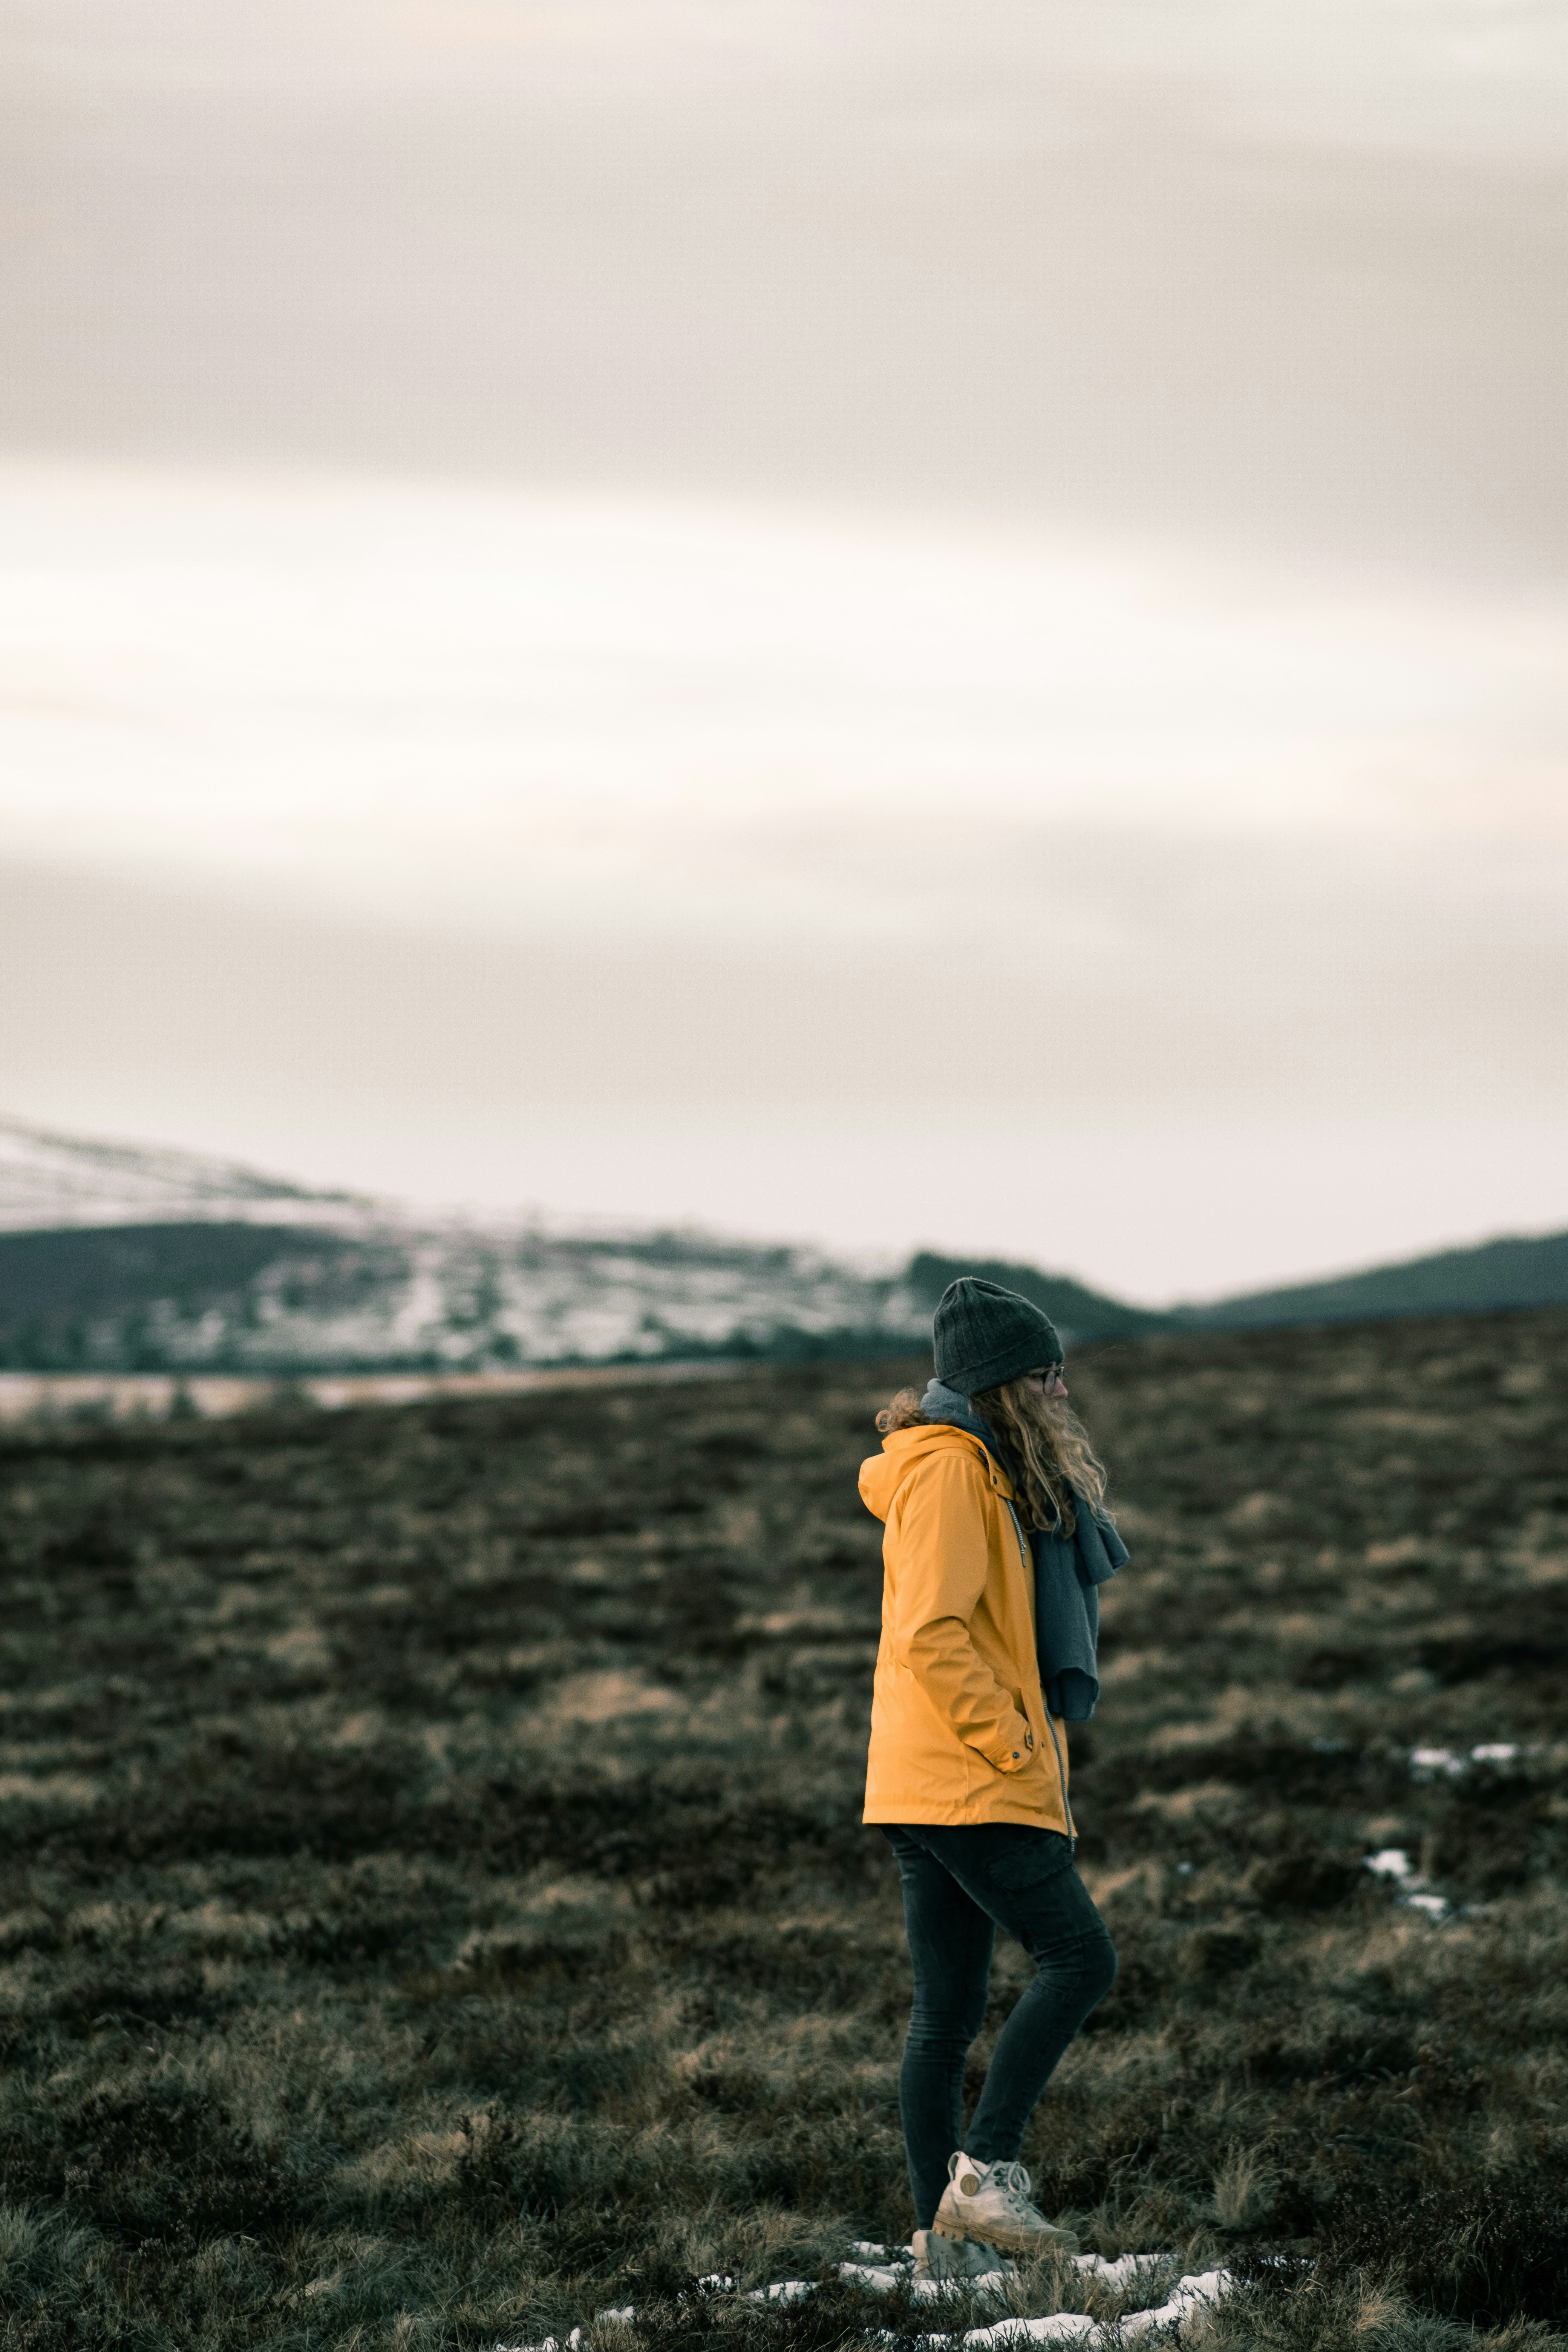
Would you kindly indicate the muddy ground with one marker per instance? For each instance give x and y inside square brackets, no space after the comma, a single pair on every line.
[435,1907]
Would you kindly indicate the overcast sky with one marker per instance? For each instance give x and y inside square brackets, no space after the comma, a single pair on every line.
[879,622]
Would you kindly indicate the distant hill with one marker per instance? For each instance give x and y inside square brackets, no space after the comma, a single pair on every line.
[1513,1273]
[209,1297]
[49,1181]
[114,1258]
[123,1259]
[1491,1276]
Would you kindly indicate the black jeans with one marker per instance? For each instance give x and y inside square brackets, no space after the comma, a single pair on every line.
[960,1886]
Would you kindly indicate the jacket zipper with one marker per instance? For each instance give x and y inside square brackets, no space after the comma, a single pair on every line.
[1045,1710]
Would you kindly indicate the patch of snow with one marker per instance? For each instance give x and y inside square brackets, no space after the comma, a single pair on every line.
[1056,2327]
[1190,2294]
[1392,1862]
[1124,2271]
[881,2278]
[1434,1905]
[881,2268]
[1425,1761]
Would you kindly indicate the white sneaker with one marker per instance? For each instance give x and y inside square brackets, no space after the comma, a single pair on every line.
[990,2203]
[955,2259]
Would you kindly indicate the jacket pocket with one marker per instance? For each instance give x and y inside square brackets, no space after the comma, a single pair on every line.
[1025,1745]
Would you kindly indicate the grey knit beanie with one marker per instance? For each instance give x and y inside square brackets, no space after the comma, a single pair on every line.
[985,1335]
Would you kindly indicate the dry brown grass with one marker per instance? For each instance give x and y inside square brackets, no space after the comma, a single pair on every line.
[435,1908]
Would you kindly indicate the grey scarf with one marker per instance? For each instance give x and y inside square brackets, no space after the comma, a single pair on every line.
[1069,1571]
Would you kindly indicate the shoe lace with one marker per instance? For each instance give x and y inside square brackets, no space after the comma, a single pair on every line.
[1014,2181]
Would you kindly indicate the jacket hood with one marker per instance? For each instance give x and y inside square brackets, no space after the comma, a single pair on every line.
[906,1449]
[943,1403]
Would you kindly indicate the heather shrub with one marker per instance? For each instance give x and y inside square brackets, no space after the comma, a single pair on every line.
[434,1909]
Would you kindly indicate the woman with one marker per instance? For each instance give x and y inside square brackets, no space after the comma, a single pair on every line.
[987,1650]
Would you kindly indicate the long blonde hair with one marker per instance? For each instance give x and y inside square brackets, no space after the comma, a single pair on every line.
[1051,1455]
[1049,1449]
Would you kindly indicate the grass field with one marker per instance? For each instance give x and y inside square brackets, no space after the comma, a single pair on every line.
[435,1906]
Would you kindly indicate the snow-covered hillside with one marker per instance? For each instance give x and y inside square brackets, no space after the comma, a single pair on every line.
[49,1181]
[116,1258]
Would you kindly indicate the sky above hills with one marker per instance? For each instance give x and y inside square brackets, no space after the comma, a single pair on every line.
[887,623]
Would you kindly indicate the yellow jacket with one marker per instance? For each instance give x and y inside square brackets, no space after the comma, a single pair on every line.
[959,1727]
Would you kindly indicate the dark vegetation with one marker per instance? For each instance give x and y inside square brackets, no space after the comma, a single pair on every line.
[434,1907]
[283,1301]
[88,1294]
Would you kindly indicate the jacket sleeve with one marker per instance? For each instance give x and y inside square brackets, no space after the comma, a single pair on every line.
[942,1560]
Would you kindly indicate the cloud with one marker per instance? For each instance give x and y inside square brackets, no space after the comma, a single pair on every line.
[1270,278]
[515,713]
